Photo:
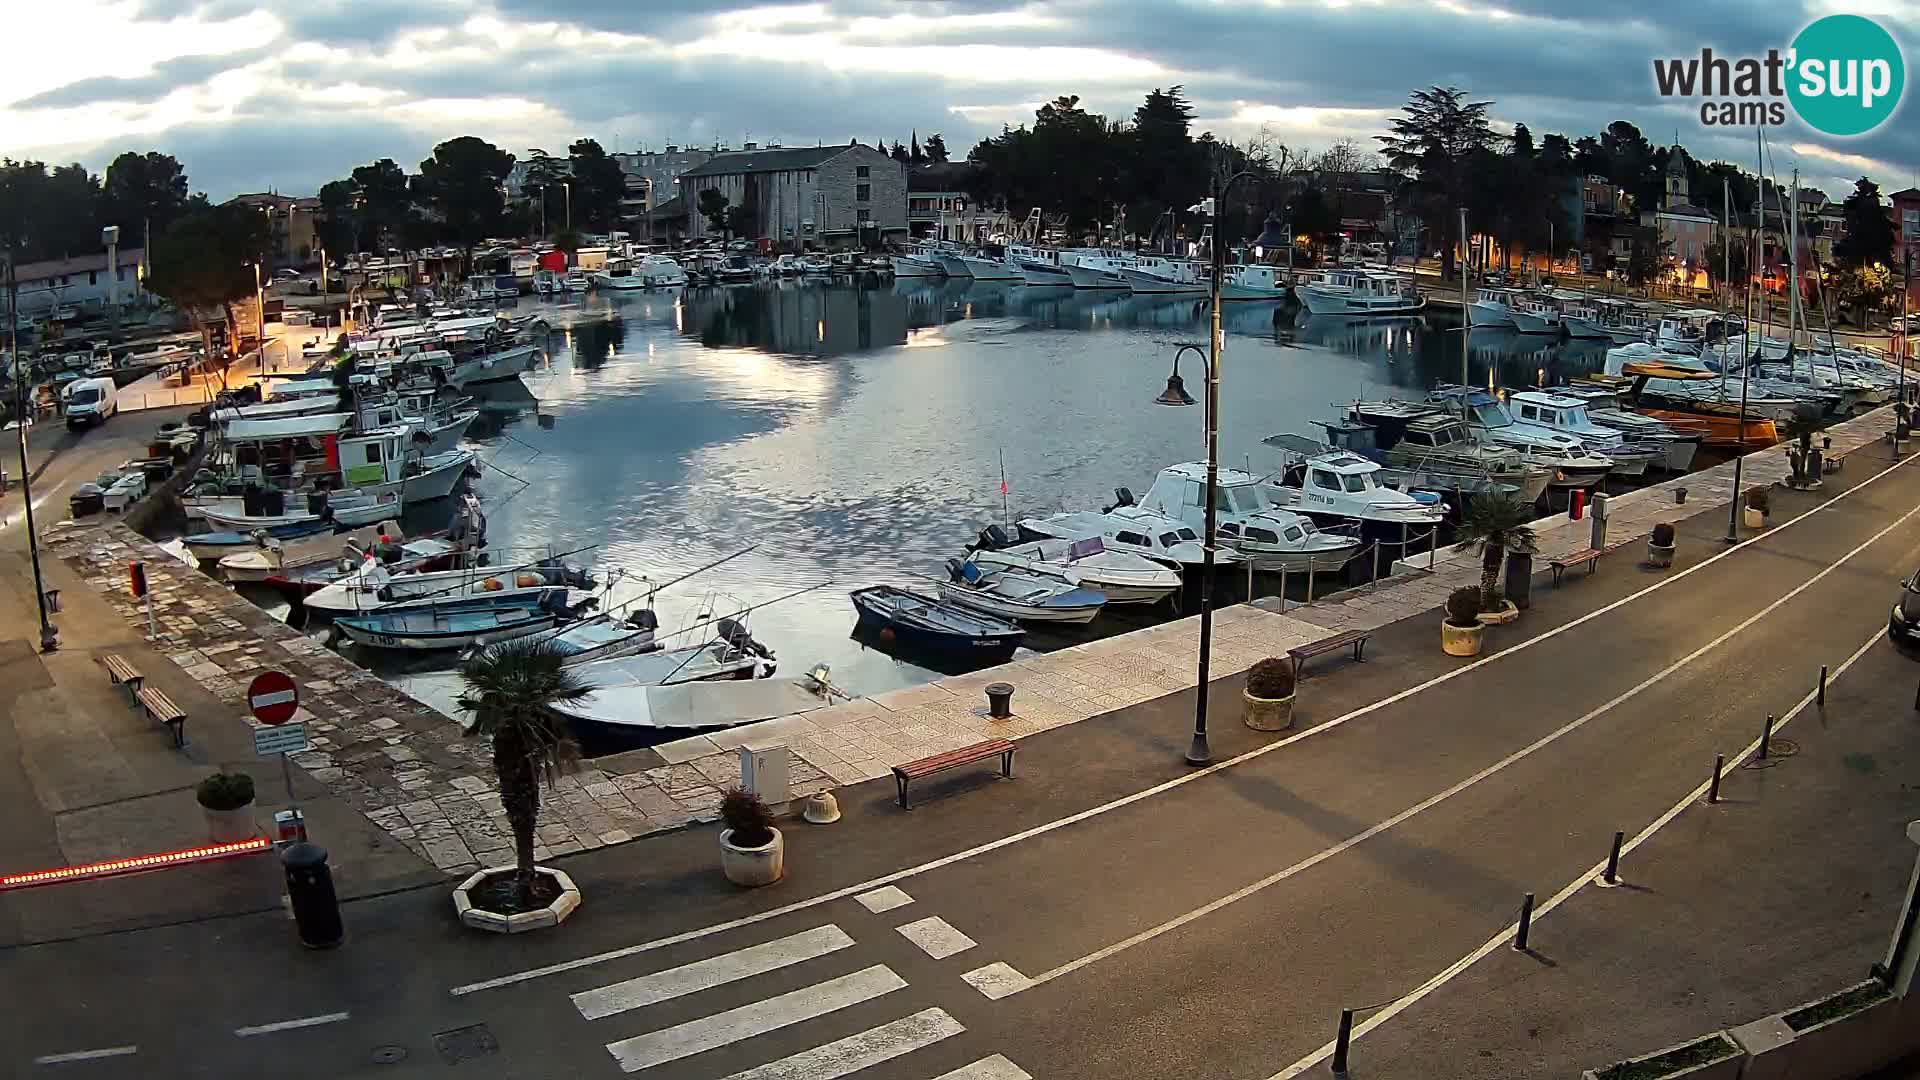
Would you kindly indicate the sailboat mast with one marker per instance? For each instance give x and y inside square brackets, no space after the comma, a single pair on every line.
[1466,307]
[1726,275]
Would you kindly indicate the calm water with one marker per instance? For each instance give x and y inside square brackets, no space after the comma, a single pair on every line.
[857,435]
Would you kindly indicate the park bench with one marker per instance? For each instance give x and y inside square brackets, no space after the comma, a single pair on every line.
[1300,654]
[161,709]
[953,759]
[1589,558]
[121,673]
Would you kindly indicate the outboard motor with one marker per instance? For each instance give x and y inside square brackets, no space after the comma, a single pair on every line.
[953,569]
[992,538]
[1121,497]
[736,637]
[644,619]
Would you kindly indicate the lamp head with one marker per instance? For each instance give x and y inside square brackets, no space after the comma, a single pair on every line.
[1175,393]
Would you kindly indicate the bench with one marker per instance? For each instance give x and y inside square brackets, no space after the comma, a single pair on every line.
[953,759]
[121,673]
[1589,558]
[161,709]
[1302,653]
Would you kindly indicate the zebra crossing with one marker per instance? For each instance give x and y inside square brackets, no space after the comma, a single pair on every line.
[664,1049]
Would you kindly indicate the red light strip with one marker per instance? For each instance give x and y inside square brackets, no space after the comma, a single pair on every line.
[127,866]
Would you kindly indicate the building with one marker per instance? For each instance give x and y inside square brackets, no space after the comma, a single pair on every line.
[663,226]
[291,226]
[81,284]
[1905,209]
[1682,230]
[659,172]
[939,208]
[817,196]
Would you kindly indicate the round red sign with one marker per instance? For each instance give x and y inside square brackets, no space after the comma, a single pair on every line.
[273,697]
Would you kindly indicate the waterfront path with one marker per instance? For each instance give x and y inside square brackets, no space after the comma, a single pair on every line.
[1111,912]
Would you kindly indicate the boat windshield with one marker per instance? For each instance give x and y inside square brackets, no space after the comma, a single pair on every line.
[1356,482]
[1241,499]
[1492,415]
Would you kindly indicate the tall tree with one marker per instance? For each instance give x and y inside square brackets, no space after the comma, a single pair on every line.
[461,182]
[598,186]
[914,154]
[1868,235]
[545,174]
[383,200]
[143,191]
[713,206]
[1432,142]
[340,216]
[936,149]
[205,262]
[899,153]
[48,214]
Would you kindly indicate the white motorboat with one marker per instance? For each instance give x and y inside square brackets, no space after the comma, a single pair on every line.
[1338,486]
[1249,518]
[1568,416]
[1680,439]
[374,587]
[604,638]
[1360,292]
[1573,466]
[1434,449]
[1095,270]
[1534,315]
[575,282]
[617,275]
[1604,320]
[1245,284]
[1038,265]
[952,262]
[457,624]
[916,262]
[1492,307]
[984,267]
[1685,331]
[1152,274]
[1124,577]
[618,711]
[228,512]
[660,271]
[1019,595]
[1126,527]
[1773,399]
[279,408]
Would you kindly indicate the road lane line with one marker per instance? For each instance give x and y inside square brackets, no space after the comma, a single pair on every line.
[758,1018]
[289,1025]
[1434,800]
[936,937]
[1156,790]
[996,1067]
[85,1055]
[855,1052]
[884,899]
[1505,936]
[711,972]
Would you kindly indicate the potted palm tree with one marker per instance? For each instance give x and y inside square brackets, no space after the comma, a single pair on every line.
[1461,632]
[509,690]
[226,800]
[1269,695]
[1759,504]
[1799,431]
[1499,524]
[752,851]
[1660,546]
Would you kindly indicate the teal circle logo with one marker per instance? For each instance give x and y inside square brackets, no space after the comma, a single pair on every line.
[1847,75]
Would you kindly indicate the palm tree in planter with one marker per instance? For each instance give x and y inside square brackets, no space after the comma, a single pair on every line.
[1799,430]
[1499,524]
[510,689]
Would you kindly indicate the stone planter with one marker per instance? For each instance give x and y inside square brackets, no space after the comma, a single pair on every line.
[1505,615]
[1724,1067]
[752,867]
[230,826]
[1268,714]
[553,914]
[1658,555]
[1853,1043]
[1752,519]
[1461,640]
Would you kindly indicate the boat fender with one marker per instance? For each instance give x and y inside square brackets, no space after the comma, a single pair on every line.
[528,581]
[491,585]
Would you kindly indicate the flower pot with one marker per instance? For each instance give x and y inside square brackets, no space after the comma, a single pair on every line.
[550,914]
[230,826]
[752,867]
[1461,640]
[1505,615]
[1752,519]
[1268,714]
[1658,555]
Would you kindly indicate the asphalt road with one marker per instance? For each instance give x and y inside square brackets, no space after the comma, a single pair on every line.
[1177,924]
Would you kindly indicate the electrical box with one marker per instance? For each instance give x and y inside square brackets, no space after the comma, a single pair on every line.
[763,771]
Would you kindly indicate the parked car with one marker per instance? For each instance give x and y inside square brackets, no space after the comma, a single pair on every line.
[1904,623]
[90,401]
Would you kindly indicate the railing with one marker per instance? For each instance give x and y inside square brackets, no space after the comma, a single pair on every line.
[134,401]
[1406,543]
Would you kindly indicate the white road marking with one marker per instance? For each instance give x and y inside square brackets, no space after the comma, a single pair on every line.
[1158,789]
[289,1025]
[996,980]
[1505,936]
[884,899]
[1434,800]
[855,1052]
[85,1055]
[988,1068]
[936,937]
[771,1014]
[711,972]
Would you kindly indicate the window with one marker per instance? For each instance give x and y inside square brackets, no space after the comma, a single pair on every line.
[1295,533]
[1264,536]
[863,193]
[1169,539]
[373,453]
[1355,482]
[862,171]
[1418,438]
[1229,529]
[1527,413]
[1193,494]
[1324,479]
[1133,538]
[1189,534]
[863,215]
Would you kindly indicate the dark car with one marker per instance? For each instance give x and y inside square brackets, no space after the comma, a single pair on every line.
[1904,623]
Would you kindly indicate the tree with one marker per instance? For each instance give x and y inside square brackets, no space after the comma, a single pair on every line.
[48,214]
[206,261]
[545,174]
[339,216]
[598,186]
[899,153]
[383,200]
[1726,265]
[510,689]
[713,206]
[1499,524]
[1432,142]
[142,192]
[461,182]
[1648,257]
[740,221]
[1313,217]
[936,149]
[914,154]
[1867,237]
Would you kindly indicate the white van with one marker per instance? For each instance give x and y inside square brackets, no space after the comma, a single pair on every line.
[90,401]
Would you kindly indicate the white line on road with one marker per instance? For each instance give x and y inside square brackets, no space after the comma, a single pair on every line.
[884,899]
[770,1014]
[855,1052]
[1505,936]
[1434,800]
[711,972]
[988,1068]
[936,937]
[289,1025]
[85,1055]
[1158,789]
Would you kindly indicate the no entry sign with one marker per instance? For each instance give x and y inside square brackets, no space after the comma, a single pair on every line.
[273,697]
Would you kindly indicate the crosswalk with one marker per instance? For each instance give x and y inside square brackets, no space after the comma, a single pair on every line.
[664,1049]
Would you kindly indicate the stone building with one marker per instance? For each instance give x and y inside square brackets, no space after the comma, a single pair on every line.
[804,197]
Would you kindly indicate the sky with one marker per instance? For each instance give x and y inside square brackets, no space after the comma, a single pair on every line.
[287,94]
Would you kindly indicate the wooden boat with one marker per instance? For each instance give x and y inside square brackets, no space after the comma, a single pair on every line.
[624,713]
[1125,578]
[923,624]
[210,546]
[1015,594]
[457,624]
[1720,417]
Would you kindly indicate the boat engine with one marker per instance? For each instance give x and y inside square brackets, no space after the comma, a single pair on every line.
[644,619]
[1121,497]
[736,636]
[992,538]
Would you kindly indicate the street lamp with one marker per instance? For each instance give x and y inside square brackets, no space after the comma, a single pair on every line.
[49,635]
[569,188]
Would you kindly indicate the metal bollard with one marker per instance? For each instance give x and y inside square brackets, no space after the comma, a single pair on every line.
[1341,1041]
[1612,876]
[1822,699]
[316,910]
[1713,789]
[1766,737]
[1309,579]
[1000,700]
[1526,924]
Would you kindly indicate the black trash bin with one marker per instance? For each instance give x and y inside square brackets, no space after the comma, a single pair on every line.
[1520,579]
[316,911]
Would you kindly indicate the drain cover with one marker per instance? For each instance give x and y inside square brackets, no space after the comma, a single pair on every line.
[389,1055]
[461,1044]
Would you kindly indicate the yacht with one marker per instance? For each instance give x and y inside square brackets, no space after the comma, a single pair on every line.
[1573,466]
[1096,270]
[1125,577]
[1154,274]
[1535,315]
[619,275]
[1679,439]
[1568,415]
[1127,527]
[1341,487]
[1491,307]
[984,267]
[1434,449]
[1039,266]
[1360,292]
[917,262]
[1250,518]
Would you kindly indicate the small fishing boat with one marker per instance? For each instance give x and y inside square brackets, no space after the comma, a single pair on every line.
[624,713]
[373,586]
[1126,527]
[210,546]
[1124,577]
[457,624]
[349,512]
[604,638]
[923,624]
[1019,595]
[270,558]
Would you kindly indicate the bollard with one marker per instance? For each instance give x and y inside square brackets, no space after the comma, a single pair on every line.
[1822,699]
[1249,580]
[1679,495]
[999,700]
[1713,789]
[1309,579]
[1526,923]
[1612,876]
[1766,737]
[1341,1041]
[1375,580]
[316,911]
[1283,608]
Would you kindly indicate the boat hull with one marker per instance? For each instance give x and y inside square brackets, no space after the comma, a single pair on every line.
[991,270]
[1489,315]
[980,649]
[1586,329]
[1528,323]
[1322,302]
[905,267]
[999,608]
[1141,282]
[363,633]
[1087,277]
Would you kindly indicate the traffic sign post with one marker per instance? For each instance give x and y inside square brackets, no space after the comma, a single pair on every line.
[137,580]
[274,698]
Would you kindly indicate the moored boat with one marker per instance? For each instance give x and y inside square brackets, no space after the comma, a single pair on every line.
[922,624]
[1017,595]
[457,624]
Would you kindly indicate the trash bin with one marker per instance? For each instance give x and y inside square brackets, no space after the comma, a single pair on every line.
[1519,583]
[316,911]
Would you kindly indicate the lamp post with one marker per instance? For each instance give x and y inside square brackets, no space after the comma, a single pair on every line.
[49,635]
[569,189]
[259,318]
[1199,753]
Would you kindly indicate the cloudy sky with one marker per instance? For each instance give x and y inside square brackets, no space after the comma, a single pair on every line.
[286,94]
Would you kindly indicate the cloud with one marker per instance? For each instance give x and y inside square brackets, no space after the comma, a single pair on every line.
[166,77]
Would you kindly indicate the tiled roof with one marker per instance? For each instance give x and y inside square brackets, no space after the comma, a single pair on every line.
[785,159]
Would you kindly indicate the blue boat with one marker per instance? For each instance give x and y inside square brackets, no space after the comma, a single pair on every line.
[459,623]
[210,546]
[923,624]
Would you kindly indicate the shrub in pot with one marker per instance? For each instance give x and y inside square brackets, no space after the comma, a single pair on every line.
[1498,524]
[226,799]
[1461,633]
[1269,695]
[752,851]
[1759,505]
[1660,545]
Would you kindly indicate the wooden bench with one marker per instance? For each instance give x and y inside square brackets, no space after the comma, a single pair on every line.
[161,709]
[953,759]
[1302,653]
[121,673]
[1589,558]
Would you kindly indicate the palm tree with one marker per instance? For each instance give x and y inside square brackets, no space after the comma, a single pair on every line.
[1800,429]
[1499,523]
[509,690]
